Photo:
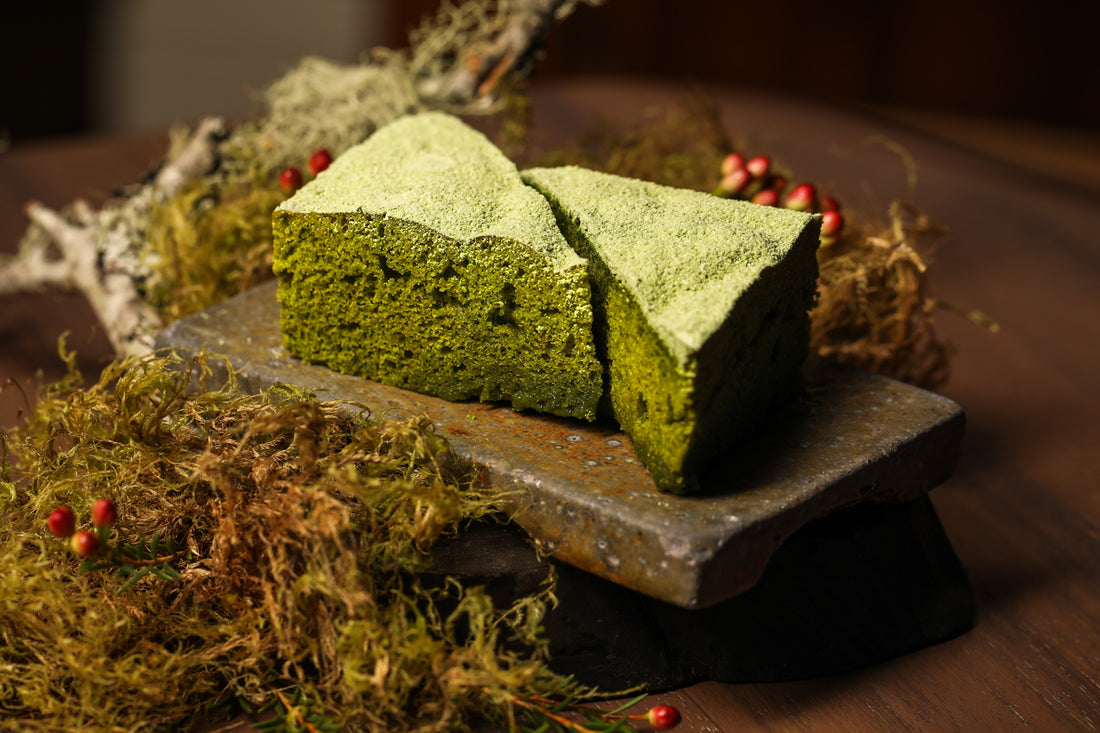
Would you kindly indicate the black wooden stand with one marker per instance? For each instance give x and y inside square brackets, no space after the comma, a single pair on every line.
[858,587]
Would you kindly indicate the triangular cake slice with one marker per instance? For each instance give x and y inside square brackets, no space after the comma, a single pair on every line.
[420,259]
[701,308]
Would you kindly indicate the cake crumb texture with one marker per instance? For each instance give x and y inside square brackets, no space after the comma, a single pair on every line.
[420,259]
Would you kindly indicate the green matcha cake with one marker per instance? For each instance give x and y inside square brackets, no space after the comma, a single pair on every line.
[701,308]
[420,259]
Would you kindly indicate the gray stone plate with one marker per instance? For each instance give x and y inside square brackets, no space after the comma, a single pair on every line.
[581,494]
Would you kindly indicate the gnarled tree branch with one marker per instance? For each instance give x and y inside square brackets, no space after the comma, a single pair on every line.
[102,254]
[511,55]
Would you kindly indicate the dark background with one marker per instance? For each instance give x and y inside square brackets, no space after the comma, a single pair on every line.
[1014,60]
[1030,61]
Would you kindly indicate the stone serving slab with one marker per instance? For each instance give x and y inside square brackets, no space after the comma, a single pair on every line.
[581,494]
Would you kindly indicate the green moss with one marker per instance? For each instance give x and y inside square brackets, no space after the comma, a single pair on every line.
[212,240]
[309,529]
[421,260]
[701,303]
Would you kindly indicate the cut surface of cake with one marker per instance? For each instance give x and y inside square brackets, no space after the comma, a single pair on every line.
[420,259]
[702,308]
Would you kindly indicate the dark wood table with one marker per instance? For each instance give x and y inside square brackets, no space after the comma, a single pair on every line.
[1023,509]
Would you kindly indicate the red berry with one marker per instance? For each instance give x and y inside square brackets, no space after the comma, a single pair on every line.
[801,197]
[828,203]
[291,178]
[104,513]
[831,223]
[777,182]
[320,160]
[734,182]
[759,166]
[663,717]
[766,197]
[84,543]
[62,521]
[732,162]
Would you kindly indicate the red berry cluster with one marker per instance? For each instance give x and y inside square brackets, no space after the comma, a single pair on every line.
[754,180]
[62,523]
[291,179]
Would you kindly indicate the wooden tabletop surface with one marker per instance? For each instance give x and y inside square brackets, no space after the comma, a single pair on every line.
[1023,509]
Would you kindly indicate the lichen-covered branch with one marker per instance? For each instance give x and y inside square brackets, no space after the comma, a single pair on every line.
[102,254]
[523,28]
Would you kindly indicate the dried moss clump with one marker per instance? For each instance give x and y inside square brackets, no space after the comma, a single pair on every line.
[306,526]
[875,309]
[210,241]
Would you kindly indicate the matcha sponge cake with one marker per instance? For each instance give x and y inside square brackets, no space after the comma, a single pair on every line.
[701,308]
[420,259]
